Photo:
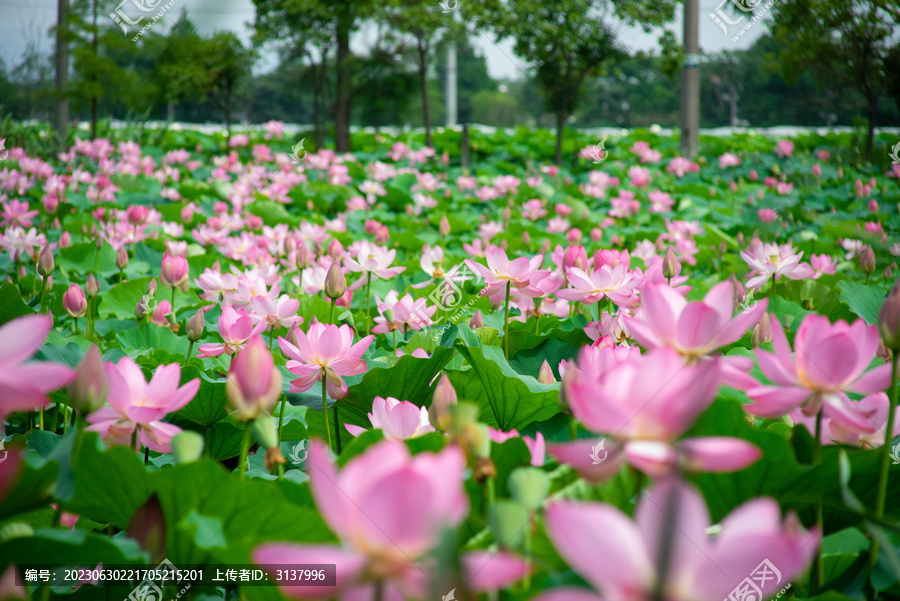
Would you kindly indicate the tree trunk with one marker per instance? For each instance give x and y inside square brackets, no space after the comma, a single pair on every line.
[560,124]
[423,82]
[342,102]
[464,151]
[870,134]
[61,109]
[94,77]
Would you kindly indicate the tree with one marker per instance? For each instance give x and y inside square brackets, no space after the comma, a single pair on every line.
[471,74]
[297,19]
[566,41]
[226,63]
[844,43]
[423,22]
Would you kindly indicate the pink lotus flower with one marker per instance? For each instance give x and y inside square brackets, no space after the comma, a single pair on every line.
[615,283]
[784,148]
[325,352]
[767,215]
[275,312]
[770,260]
[729,160]
[137,214]
[24,386]
[135,403]
[235,328]
[645,417]
[830,359]
[699,567]
[639,176]
[399,420]
[375,260]
[522,273]
[696,328]
[874,407]
[680,166]
[16,212]
[822,264]
[388,509]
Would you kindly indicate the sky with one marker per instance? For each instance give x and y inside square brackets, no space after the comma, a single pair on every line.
[24,21]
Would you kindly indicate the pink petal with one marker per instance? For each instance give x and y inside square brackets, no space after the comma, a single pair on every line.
[718,454]
[22,338]
[487,571]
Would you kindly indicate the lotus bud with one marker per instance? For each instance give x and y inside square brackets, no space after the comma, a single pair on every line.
[302,256]
[596,234]
[265,433]
[187,214]
[670,264]
[148,528]
[195,326]
[762,332]
[74,302]
[88,391]
[46,264]
[122,258]
[92,287]
[335,282]
[65,240]
[529,486]
[889,319]
[254,384]
[187,446]
[545,375]
[175,272]
[335,249]
[151,287]
[867,260]
[508,521]
[444,227]
[526,238]
[888,273]
[575,256]
[477,320]
[444,397]
[137,214]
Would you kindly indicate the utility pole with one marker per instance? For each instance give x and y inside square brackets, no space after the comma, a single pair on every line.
[61,105]
[451,84]
[690,81]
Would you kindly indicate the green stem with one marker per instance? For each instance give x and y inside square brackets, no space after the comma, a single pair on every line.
[774,293]
[281,418]
[337,429]
[134,442]
[527,552]
[394,333]
[331,317]
[506,323]
[325,411]
[42,419]
[133,242]
[368,300]
[245,449]
[43,295]
[173,301]
[885,456]
[76,324]
[819,567]
[190,350]
[573,427]
[271,337]
[55,418]
[537,324]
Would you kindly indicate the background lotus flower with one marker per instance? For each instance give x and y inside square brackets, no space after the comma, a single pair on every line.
[325,352]
[135,403]
[74,301]
[521,273]
[645,416]
[399,420]
[623,559]
[235,328]
[24,386]
[388,510]
[613,282]
[830,359]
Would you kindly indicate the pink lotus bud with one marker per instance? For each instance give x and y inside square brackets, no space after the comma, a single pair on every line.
[575,256]
[867,260]
[596,234]
[302,257]
[195,326]
[137,214]
[382,235]
[175,272]
[545,375]
[562,209]
[444,397]
[873,206]
[335,282]
[335,250]
[74,302]
[88,392]
[65,240]
[840,173]
[22,272]
[92,287]
[506,214]
[670,264]
[754,176]
[889,319]
[151,287]
[887,272]
[220,207]
[762,332]
[444,227]
[46,264]
[526,238]
[445,159]
[410,210]
[122,258]
[574,236]
[477,320]
[254,385]
[51,204]
[545,246]
[253,222]
[187,214]
[817,170]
